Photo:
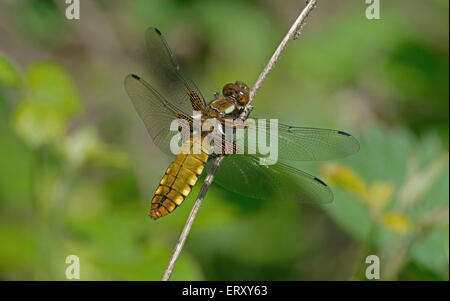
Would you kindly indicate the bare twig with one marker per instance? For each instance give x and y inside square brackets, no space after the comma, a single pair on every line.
[201,195]
[293,33]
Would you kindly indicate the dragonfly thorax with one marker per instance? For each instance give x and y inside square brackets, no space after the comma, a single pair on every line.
[236,96]
[222,107]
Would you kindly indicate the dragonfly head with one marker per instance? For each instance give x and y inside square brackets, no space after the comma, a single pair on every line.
[237,91]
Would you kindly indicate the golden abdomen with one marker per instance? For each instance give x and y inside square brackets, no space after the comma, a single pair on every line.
[177,183]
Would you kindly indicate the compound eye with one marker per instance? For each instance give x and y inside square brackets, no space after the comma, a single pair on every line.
[229,90]
[242,97]
[242,86]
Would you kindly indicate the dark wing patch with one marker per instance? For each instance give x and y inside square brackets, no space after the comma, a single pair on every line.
[344,133]
[320,181]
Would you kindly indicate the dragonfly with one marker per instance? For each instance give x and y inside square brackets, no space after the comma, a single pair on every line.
[172,95]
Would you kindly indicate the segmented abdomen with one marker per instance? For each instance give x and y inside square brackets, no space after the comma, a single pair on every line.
[177,183]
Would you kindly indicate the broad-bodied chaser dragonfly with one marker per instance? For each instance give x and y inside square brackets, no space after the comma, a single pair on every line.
[172,95]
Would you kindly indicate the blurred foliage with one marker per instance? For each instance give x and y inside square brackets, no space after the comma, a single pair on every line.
[402,206]
[8,74]
[77,169]
[49,102]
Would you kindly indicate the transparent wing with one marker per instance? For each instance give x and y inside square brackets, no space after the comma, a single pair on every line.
[244,175]
[166,75]
[156,112]
[170,94]
[301,143]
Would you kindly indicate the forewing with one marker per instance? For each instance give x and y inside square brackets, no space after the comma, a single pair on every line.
[156,112]
[167,77]
[244,175]
[303,143]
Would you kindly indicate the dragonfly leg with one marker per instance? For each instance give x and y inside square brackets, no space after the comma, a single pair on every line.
[249,110]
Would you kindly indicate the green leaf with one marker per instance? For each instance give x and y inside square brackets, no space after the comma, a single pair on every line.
[431,251]
[9,76]
[50,102]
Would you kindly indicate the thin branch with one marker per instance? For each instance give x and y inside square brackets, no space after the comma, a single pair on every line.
[187,227]
[293,33]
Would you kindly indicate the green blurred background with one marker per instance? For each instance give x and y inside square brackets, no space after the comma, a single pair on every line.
[78,170]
